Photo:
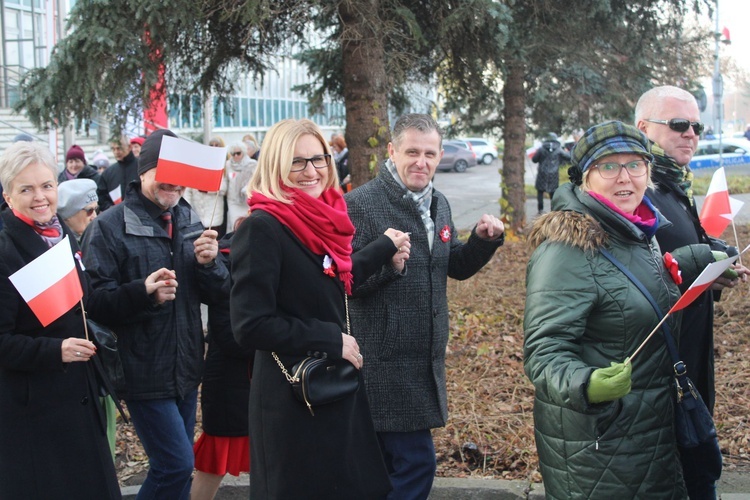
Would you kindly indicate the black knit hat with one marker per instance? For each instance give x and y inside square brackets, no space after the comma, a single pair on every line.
[150,150]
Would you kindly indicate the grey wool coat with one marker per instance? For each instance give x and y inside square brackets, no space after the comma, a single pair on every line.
[401,320]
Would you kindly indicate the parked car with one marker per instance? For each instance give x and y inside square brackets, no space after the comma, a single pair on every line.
[459,142]
[456,158]
[734,152]
[486,151]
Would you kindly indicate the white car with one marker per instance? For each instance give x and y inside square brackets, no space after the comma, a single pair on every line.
[734,152]
[486,150]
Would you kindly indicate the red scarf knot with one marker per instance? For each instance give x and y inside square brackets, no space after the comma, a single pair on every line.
[322,224]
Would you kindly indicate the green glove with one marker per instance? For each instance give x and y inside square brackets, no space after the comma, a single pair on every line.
[729,273]
[608,384]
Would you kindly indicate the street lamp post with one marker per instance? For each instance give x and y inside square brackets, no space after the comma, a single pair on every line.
[718,85]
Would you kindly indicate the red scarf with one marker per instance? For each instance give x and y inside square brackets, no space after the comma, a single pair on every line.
[322,225]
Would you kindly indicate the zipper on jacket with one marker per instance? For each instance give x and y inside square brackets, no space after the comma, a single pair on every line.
[596,445]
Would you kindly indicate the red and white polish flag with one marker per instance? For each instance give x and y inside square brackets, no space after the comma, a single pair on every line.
[716,212]
[116,195]
[186,163]
[49,284]
[704,280]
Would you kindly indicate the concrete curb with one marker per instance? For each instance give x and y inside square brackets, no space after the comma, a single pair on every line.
[733,485]
[233,488]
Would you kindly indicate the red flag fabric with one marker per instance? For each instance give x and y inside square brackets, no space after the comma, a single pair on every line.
[186,163]
[49,284]
[716,212]
[725,32]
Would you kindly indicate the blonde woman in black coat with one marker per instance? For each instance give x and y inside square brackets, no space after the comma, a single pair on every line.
[291,266]
[52,429]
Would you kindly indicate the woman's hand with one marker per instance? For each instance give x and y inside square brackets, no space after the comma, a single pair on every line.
[402,241]
[162,284]
[75,349]
[350,351]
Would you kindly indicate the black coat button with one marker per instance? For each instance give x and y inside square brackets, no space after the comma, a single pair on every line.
[85,400]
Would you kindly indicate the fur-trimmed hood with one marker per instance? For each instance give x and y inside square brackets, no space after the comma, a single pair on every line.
[569,227]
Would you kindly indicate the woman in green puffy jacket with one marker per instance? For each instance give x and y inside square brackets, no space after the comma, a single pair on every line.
[603,425]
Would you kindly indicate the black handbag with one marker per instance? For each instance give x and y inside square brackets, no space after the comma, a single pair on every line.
[107,363]
[318,381]
[693,423]
[106,348]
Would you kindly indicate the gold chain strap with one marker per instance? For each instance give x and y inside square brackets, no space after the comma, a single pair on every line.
[292,379]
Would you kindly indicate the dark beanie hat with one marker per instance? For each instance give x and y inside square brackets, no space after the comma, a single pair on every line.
[75,153]
[150,150]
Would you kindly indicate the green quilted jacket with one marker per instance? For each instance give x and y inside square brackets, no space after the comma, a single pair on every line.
[581,314]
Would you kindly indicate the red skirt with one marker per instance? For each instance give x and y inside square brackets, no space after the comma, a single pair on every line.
[221,455]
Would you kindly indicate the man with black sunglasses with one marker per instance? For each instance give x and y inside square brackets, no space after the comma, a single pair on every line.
[670,118]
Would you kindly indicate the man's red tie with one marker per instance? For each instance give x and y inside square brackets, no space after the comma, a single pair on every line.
[167,218]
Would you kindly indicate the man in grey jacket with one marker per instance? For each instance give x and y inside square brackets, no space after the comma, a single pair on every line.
[400,318]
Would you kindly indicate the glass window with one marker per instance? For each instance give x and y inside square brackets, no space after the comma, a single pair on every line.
[218,113]
[245,112]
[231,113]
[173,108]
[253,113]
[268,118]
[196,108]
[278,110]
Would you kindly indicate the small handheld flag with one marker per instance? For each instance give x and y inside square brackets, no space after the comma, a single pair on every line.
[716,212]
[186,163]
[50,284]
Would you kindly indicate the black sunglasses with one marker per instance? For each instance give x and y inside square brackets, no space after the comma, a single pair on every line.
[681,125]
[236,153]
[90,211]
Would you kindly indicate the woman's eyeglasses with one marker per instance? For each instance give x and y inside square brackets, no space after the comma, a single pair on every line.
[236,153]
[611,170]
[680,125]
[318,161]
[90,210]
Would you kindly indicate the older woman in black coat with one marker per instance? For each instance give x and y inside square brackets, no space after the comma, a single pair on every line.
[52,428]
[292,265]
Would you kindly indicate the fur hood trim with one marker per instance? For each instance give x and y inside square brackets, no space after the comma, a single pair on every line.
[572,228]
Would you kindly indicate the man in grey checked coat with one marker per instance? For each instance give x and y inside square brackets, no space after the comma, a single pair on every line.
[400,317]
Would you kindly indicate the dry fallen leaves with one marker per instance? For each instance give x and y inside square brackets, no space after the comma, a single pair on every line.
[490,430]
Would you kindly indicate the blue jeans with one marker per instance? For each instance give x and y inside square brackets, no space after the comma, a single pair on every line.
[410,459]
[165,428]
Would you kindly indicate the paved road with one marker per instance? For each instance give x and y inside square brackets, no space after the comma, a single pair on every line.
[477,191]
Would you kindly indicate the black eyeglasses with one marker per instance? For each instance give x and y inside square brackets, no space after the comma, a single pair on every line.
[237,153]
[318,161]
[681,125]
[90,211]
[611,170]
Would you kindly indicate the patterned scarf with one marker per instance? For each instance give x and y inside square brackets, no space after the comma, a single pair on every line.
[423,200]
[321,224]
[51,232]
[665,169]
